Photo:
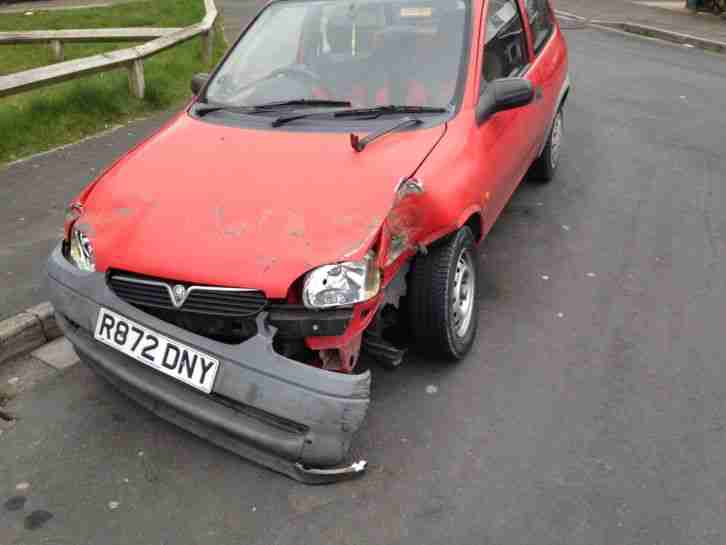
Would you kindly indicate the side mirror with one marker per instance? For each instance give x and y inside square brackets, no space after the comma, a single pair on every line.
[198,82]
[503,94]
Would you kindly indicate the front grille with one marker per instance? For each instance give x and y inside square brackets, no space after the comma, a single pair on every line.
[141,294]
[222,314]
[151,292]
[247,303]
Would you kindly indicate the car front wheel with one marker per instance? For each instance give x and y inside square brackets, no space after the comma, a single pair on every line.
[544,167]
[443,306]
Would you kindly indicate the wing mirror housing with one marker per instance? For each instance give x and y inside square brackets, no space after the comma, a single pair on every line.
[198,82]
[503,94]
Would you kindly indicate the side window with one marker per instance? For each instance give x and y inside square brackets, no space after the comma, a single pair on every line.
[505,48]
[540,19]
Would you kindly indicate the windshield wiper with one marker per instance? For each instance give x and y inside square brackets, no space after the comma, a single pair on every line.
[359,144]
[312,102]
[371,113]
[377,111]
[299,102]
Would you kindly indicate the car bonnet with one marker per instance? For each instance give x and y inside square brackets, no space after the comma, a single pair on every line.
[227,206]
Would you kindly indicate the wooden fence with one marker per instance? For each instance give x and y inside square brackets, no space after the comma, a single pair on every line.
[131,58]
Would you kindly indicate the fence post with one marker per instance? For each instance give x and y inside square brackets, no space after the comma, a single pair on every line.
[56,48]
[136,78]
[208,45]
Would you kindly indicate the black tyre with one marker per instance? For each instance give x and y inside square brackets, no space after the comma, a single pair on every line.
[544,167]
[443,308]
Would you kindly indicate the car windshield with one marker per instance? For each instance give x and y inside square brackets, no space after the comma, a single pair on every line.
[366,52]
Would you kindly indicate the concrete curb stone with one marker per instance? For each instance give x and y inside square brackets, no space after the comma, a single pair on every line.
[46,316]
[650,32]
[27,331]
[667,35]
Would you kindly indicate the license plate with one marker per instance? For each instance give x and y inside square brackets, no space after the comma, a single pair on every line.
[162,353]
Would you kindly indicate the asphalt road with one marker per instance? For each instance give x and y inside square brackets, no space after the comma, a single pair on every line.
[591,411]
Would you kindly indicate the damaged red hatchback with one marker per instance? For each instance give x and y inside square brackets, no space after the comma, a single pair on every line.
[319,200]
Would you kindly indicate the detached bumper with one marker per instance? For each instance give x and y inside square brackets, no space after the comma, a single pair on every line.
[290,417]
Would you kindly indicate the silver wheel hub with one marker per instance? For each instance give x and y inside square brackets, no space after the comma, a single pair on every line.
[556,141]
[463,293]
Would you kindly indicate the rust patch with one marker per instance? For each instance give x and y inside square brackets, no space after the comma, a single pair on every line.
[295,226]
[266,263]
[124,211]
[229,229]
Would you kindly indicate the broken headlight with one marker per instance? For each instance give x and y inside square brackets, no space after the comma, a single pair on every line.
[342,284]
[80,250]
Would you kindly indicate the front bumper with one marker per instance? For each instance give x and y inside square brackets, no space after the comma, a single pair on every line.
[288,416]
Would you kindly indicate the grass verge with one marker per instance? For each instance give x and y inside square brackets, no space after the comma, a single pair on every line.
[58,114]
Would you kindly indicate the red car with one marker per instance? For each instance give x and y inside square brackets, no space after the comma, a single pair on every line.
[319,200]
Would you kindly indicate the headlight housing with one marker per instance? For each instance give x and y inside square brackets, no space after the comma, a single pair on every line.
[342,284]
[80,250]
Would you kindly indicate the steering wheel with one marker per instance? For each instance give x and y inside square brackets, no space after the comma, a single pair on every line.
[300,72]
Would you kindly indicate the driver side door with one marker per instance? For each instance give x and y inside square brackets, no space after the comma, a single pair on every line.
[506,139]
